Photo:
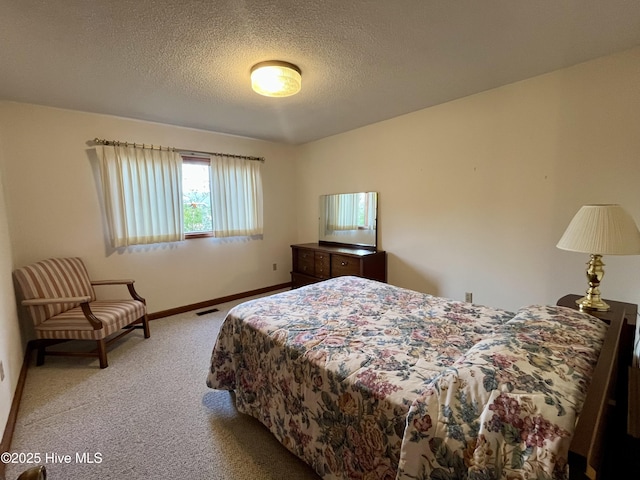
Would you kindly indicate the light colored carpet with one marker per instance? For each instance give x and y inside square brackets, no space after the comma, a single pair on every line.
[149,415]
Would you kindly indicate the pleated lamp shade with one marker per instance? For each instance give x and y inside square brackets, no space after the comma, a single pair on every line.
[602,230]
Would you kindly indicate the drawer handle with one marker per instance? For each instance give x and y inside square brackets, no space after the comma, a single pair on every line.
[343,263]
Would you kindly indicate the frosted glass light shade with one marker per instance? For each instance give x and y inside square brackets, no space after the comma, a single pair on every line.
[602,230]
[276,79]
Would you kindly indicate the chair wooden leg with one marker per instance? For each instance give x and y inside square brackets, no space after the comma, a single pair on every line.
[34,473]
[145,324]
[40,353]
[102,353]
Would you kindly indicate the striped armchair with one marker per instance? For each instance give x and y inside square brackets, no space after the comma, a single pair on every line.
[61,301]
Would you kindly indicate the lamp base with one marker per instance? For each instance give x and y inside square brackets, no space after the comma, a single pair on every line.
[586,304]
[595,272]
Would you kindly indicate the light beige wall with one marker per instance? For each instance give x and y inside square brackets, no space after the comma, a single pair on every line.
[50,206]
[55,208]
[11,351]
[475,193]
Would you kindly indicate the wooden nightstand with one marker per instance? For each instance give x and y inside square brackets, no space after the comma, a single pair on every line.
[624,456]
[630,310]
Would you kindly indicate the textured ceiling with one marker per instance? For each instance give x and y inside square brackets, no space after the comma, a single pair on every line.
[187,62]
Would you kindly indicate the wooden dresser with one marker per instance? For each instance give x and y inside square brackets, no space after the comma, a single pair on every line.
[314,262]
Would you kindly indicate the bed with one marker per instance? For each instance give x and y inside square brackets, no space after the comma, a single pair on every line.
[366,380]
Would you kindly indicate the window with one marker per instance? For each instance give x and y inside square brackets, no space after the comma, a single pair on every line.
[160,195]
[196,196]
[222,196]
[367,210]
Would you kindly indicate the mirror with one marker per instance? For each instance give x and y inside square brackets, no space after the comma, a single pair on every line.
[349,219]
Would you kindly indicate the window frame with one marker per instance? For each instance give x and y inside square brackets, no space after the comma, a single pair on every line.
[203,160]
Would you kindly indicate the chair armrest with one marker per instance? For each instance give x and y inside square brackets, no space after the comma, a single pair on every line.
[95,322]
[128,282]
[112,282]
[47,301]
[84,303]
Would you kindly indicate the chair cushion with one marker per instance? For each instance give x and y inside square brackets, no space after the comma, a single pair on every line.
[53,278]
[72,324]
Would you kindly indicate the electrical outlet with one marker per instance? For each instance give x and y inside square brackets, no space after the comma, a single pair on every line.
[1,371]
[468,297]
[275,267]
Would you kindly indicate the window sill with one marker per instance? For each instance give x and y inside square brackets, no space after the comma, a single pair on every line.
[189,236]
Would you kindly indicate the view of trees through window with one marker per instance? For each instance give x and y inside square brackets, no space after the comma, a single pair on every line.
[196,197]
[363,210]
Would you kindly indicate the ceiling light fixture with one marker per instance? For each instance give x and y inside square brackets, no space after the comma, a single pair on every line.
[276,79]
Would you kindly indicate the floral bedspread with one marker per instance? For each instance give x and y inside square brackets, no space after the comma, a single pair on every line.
[365,380]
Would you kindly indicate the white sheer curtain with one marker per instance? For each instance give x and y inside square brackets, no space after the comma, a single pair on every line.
[142,191]
[236,196]
[342,212]
[370,209]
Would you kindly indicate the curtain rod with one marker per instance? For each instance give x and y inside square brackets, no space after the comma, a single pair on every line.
[102,141]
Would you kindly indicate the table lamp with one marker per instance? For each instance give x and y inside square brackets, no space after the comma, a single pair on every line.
[600,230]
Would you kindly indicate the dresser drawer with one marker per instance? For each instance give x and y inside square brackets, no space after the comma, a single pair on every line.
[300,279]
[312,262]
[344,265]
[306,262]
[322,265]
